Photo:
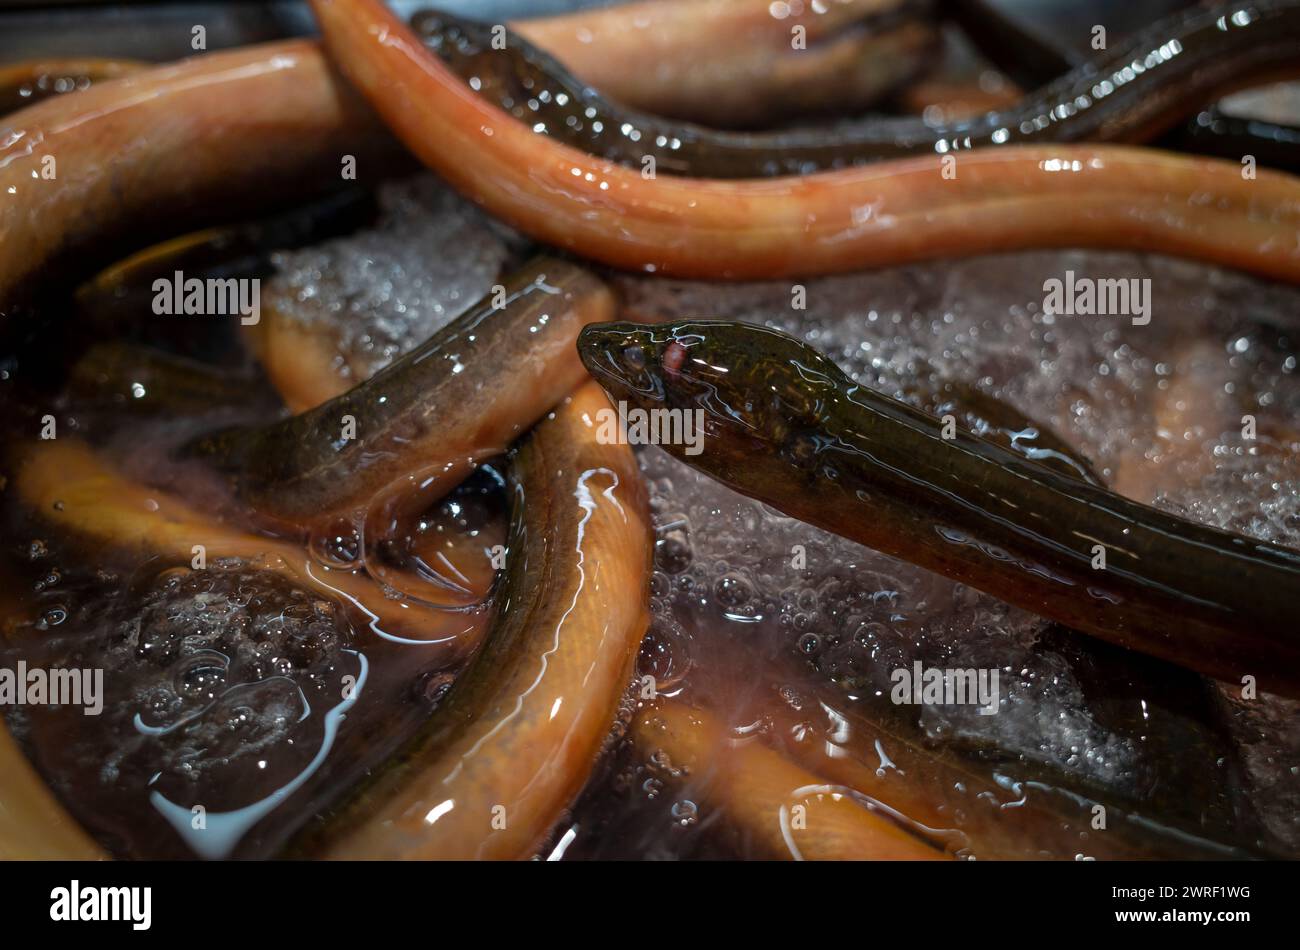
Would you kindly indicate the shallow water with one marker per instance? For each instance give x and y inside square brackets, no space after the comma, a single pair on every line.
[231,684]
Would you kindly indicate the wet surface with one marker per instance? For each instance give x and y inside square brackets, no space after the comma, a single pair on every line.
[1157,408]
[232,689]
[222,688]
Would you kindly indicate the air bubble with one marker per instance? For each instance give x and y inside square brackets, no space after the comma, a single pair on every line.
[732,590]
[673,551]
[686,812]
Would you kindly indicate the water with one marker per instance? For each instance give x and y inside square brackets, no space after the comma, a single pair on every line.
[224,682]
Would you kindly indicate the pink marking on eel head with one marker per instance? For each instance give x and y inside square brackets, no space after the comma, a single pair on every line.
[674,357]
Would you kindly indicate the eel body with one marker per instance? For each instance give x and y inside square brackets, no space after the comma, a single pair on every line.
[784,424]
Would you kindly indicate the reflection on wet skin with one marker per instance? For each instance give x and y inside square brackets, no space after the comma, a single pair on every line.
[908,563]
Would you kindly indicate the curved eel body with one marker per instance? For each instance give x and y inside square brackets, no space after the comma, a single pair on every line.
[511,744]
[299,361]
[426,420]
[211,138]
[738,63]
[759,790]
[71,487]
[889,213]
[1181,63]
[784,424]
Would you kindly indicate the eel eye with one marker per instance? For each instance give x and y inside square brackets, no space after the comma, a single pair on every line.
[634,358]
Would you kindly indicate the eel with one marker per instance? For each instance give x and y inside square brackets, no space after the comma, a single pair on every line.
[300,362]
[735,62]
[1131,93]
[425,421]
[1039,42]
[73,488]
[783,424]
[509,747]
[893,212]
[780,807]
[209,139]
